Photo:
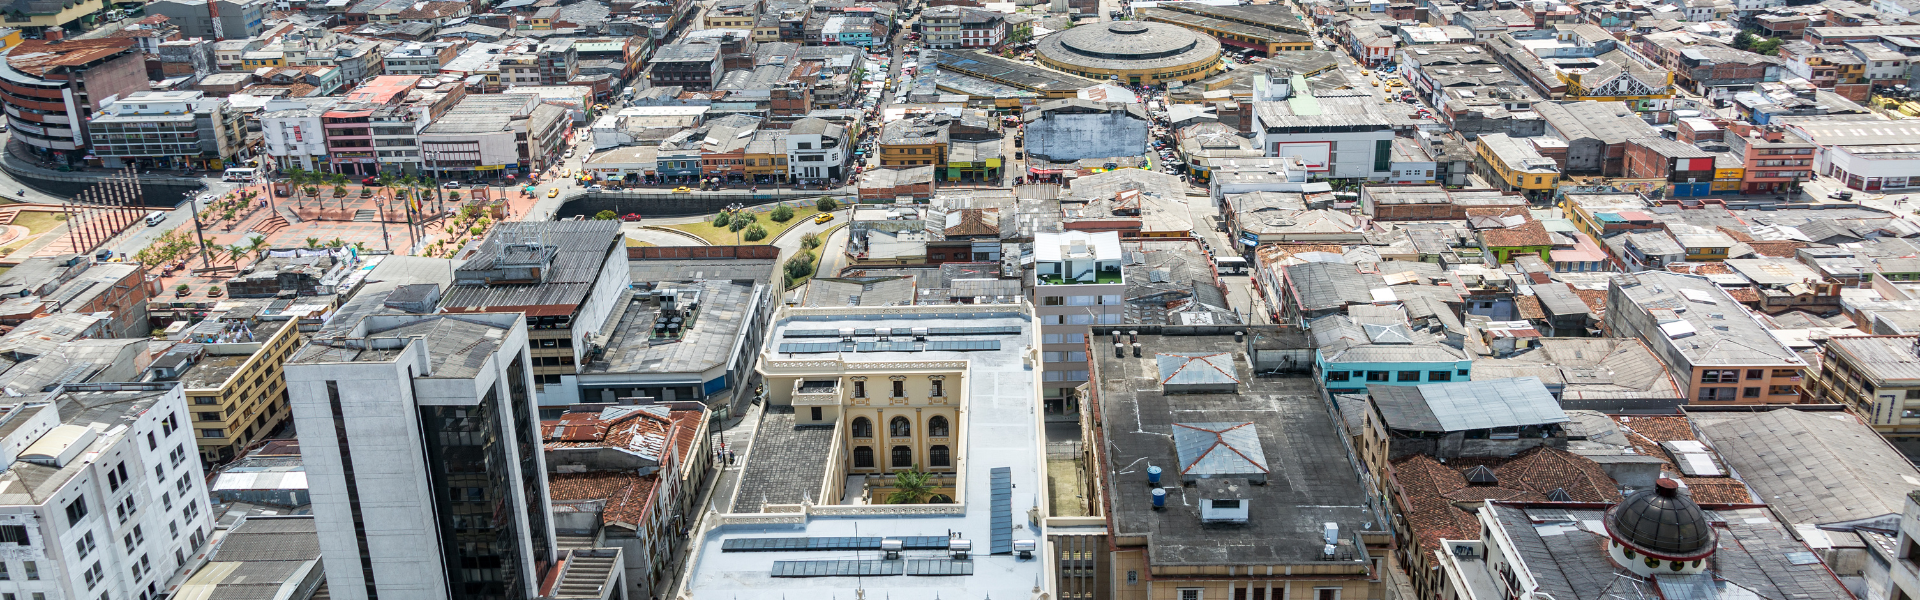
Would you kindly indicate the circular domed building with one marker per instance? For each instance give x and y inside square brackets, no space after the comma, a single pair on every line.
[1660,531]
[1132,52]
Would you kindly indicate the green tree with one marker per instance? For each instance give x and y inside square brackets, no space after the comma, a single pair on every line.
[721,220]
[754,233]
[1769,47]
[313,242]
[605,215]
[781,213]
[1744,40]
[911,487]
[740,220]
[810,241]
[826,204]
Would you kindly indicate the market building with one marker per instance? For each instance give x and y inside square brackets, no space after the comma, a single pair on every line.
[1138,53]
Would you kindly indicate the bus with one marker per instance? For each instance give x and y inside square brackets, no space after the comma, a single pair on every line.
[239,174]
[1231,265]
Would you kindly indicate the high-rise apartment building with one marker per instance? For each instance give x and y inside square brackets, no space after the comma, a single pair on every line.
[1077,283]
[422,447]
[101,495]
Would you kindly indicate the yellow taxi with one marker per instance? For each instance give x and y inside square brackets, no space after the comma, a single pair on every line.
[682,190]
[823,217]
[553,192]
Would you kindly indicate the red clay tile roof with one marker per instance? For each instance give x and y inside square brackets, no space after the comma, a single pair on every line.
[1431,489]
[1529,307]
[1738,235]
[1596,301]
[629,496]
[1530,233]
[1646,433]
[1744,295]
[1777,249]
[1706,268]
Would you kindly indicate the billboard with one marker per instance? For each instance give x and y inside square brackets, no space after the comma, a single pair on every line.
[1318,156]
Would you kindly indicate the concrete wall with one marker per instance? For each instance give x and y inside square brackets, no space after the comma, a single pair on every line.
[665,203]
[1062,137]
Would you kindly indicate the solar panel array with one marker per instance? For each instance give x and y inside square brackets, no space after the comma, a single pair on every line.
[901,331]
[801,544]
[939,566]
[833,347]
[1001,541]
[837,568]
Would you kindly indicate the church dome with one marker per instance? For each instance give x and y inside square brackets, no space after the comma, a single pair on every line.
[1662,522]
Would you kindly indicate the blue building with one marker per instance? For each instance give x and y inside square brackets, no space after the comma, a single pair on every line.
[1377,345]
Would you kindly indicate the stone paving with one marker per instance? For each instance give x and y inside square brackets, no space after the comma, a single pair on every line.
[787,464]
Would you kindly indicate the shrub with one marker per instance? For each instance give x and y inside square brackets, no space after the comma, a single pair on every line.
[781,213]
[605,215]
[826,204]
[721,220]
[182,288]
[754,233]
[801,265]
[476,230]
[811,241]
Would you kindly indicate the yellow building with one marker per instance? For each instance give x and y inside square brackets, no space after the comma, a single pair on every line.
[912,143]
[1516,164]
[1875,377]
[1728,172]
[233,380]
[9,37]
[1132,52]
[263,58]
[766,156]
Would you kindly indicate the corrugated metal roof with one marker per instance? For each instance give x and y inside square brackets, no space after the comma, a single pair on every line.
[1465,405]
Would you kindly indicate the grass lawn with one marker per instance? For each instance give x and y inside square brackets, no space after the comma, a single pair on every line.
[633,243]
[719,236]
[36,222]
[818,254]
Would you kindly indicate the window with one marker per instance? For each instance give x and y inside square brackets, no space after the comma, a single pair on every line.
[1752,392]
[899,389]
[1408,376]
[1190,594]
[1226,504]
[76,510]
[816,413]
[14,534]
[116,476]
[184,485]
[937,456]
[1716,394]
[1376,375]
[1912,394]
[32,569]
[937,426]
[902,457]
[93,575]
[84,546]
[1716,376]
[862,428]
[1336,376]
[899,427]
[1439,375]
[1326,593]
[859,389]
[1781,390]
[1133,577]
[862,458]
[940,387]
[213,433]
[1752,374]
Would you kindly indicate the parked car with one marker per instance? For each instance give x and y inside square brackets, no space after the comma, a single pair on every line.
[1841,195]
[368,181]
[630,217]
[450,184]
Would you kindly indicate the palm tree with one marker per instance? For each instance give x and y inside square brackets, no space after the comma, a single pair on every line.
[427,181]
[313,242]
[911,487]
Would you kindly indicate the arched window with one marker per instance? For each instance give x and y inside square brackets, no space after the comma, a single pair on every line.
[862,428]
[937,456]
[863,458]
[900,427]
[937,426]
[902,457]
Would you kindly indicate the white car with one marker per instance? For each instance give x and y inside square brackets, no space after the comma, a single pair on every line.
[569,153]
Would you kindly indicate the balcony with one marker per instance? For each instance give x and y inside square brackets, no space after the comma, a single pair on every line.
[816,392]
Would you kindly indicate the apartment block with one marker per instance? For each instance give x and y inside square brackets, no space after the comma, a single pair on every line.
[1077,283]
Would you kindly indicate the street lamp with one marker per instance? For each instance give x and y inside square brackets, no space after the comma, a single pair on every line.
[733,212]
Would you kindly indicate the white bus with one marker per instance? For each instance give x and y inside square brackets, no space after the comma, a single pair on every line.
[240,174]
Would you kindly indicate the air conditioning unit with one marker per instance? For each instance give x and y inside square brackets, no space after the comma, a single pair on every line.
[1463,550]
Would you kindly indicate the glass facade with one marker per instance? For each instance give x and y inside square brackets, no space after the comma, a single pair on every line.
[527,430]
[468,460]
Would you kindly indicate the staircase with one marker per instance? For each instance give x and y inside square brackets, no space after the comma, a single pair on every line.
[588,574]
[270,225]
[364,215]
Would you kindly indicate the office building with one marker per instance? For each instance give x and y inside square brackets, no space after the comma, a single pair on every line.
[1078,282]
[566,276]
[422,449]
